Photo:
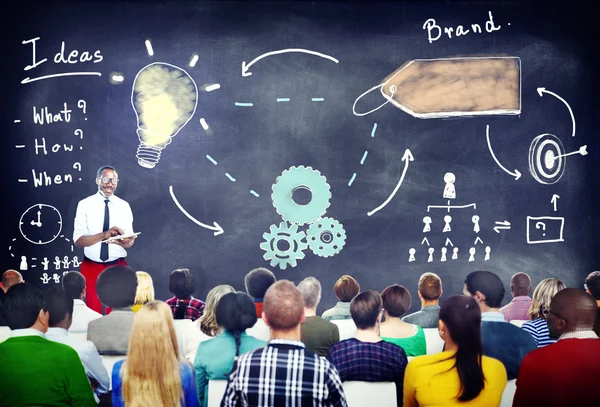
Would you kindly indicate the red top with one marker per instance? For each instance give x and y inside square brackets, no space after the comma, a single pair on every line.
[258,309]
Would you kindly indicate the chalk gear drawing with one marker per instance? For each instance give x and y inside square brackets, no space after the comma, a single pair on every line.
[301,177]
[284,245]
[326,237]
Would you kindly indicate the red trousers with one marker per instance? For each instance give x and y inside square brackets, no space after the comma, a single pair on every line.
[91,270]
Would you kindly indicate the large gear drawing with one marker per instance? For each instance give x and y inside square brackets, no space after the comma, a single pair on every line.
[326,237]
[295,178]
[292,238]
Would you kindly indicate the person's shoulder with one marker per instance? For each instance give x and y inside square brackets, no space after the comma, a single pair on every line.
[423,360]
[254,341]
[494,368]
[412,318]
[88,198]
[171,301]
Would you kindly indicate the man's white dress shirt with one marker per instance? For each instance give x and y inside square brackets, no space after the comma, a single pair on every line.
[82,316]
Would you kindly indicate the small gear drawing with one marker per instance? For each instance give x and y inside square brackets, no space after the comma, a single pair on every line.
[284,235]
[295,178]
[326,237]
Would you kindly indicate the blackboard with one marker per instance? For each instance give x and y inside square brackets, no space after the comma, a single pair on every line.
[289,76]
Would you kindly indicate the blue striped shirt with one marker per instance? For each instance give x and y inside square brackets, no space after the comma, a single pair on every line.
[539,330]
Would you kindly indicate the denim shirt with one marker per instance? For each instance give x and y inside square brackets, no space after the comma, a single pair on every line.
[340,311]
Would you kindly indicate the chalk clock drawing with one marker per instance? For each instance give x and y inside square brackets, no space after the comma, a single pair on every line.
[40,224]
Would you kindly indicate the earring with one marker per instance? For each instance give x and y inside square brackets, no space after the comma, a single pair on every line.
[441,333]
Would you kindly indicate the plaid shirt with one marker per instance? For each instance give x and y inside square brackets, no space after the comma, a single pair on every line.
[517,309]
[283,373]
[194,308]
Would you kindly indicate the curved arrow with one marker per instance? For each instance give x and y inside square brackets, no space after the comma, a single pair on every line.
[218,229]
[245,66]
[407,157]
[515,174]
[541,92]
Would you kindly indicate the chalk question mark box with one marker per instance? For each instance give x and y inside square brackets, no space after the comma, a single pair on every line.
[545,229]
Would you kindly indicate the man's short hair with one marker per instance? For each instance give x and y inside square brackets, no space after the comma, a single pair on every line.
[396,300]
[73,283]
[258,281]
[116,286]
[104,167]
[430,286]
[488,284]
[346,288]
[592,283]
[182,283]
[365,308]
[10,278]
[520,284]
[22,305]
[59,304]
[310,288]
[283,306]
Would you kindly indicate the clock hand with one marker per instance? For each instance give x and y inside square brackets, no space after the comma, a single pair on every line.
[39,221]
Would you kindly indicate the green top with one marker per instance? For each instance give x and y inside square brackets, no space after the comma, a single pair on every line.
[413,345]
[318,335]
[39,372]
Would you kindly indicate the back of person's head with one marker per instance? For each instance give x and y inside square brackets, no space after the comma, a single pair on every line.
[2,321]
[10,278]
[592,284]
[208,321]
[23,305]
[116,286]
[283,307]
[571,310]
[151,370]
[430,286]
[461,316]
[520,284]
[258,281]
[73,282]
[490,288]
[60,306]
[182,284]
[145,288]
[236,313]
[365,309]
[310,288]
[396,300]
[346,288]
[542,296]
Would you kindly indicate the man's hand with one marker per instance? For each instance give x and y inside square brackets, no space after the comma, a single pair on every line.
[114,231]
[124,243]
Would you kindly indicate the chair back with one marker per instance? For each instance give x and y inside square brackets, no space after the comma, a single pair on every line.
[433,342]
[109,361]
[518,322]
[346,327]
[216,390]
[4,333]
[260,330]
[361,394]
[509,393]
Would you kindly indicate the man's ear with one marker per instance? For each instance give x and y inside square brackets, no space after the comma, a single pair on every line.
[44,318]
[588,291]
[380,316]
[265,319]
[479,297]
[441,293]
[303,318]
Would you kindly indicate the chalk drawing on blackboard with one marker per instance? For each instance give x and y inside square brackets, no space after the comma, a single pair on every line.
[45,279]
[149,47]
[447,220]
[57,263]
[516,172]
[449,189]
[194,60]
[547,160]
[449,242]
[488,250]
[23,263]
[425,240]
[541,92]
[407,157]
[455,253]
[284,245]
[203,123]
[475,220]
[246,66]
[444,251]
[45,263]
[502,225]
[210,88]
[581,151]
[56,278]
[411,254]
[453,87]
[164,98]
[326,237]
[449,207]
[477,240]
[216,228]
[116,78]
[430,258]
[554,201]
[545,229]
[40,224]
[472,254]
[296,181]
[427,222]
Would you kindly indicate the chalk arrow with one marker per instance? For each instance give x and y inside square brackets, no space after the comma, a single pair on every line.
[448,242]
[501,226]
[216,228]
[515,174]
[478,240]
[425,240]
[246,66]
[541,92]
[407,157]
[554,201]
[582,150]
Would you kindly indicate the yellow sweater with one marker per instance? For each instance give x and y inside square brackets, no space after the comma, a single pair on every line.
[431,381]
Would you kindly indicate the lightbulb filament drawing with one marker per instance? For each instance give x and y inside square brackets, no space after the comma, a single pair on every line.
[164,98]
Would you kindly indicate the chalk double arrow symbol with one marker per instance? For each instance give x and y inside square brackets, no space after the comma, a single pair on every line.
[501,226]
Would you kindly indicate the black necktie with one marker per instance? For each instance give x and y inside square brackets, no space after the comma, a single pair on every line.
[104,246]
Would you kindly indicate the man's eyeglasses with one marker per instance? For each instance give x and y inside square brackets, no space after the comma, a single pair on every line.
[106,180]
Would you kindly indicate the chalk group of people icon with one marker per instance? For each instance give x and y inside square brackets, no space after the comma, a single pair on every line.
[444,254]
[66,263]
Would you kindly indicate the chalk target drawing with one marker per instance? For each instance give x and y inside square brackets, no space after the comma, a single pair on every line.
[547,160]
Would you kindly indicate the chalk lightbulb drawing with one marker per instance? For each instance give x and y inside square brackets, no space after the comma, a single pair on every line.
[164,98]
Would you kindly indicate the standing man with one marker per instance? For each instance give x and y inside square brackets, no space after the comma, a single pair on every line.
[99,217]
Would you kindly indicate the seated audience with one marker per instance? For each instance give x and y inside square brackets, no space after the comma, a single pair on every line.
[2,321]
[74,285]
[460,375]
[182,285]
[410,337]
[520,287]
[345,289]
[34,370]
[317,380]
[116,288]
[214,359]
[567,372]
[592,286]
[501,340]
[257,282]
[10,278]
[430,291]
[316,333]
[144,292]
[60,306]
[206,326]
[366,357]
[542,296]
[153,374]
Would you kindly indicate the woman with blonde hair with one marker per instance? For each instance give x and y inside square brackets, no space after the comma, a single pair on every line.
[540,305]
[153,373]
[206,326]
[144,292]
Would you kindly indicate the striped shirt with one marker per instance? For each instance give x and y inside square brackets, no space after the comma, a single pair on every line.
[539,330]
[283,373]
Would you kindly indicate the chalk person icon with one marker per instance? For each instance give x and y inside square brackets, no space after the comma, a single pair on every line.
[449,190]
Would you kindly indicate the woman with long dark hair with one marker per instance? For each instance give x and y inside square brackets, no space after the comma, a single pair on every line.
[235,313]
[460,375]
